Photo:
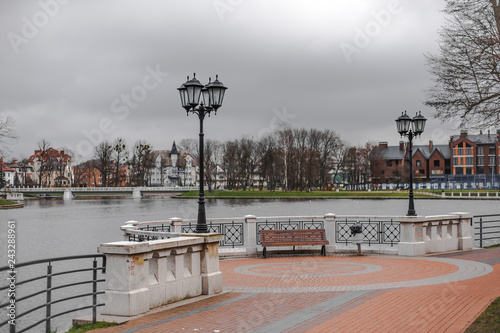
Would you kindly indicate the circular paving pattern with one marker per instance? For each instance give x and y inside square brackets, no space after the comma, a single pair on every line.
[322,274]
[307,269]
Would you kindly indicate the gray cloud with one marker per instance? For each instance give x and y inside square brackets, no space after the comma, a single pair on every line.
[64,78]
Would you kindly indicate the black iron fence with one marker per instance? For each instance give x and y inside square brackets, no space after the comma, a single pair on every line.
[60,285]
[486,229]
[374,231]
[232,232]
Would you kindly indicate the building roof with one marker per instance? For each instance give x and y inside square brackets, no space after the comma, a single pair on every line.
[444,150]
[478,138]
[48,154]
[395,153]
[5,168]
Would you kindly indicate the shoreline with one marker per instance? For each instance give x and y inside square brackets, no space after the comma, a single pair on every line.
[13,206]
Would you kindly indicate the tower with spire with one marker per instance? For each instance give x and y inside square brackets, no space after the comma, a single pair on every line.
[174,154]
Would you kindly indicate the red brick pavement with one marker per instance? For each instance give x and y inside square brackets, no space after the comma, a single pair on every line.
[447,307]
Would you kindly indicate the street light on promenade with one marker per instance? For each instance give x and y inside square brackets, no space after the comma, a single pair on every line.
[411,128]
[213,95]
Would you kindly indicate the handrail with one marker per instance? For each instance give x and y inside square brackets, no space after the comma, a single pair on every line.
[104,189]
[52,290]
[485,223]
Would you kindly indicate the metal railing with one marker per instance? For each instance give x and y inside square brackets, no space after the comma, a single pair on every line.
[104,189]
[374,231]
[486,229]
[54,283]
[232,232]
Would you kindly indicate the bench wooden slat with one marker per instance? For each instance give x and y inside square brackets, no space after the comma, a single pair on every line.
[293,238]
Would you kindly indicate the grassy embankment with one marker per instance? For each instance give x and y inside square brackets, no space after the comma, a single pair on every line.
[4,202]
[488,321]
[294,194]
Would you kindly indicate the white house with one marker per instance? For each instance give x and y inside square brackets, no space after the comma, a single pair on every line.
[173,168]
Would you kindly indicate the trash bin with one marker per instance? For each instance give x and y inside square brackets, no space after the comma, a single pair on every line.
[357,235]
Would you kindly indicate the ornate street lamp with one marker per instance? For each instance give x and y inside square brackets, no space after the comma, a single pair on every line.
[411,128]
[213,95]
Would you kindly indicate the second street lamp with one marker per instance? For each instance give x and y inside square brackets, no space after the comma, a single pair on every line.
[213,95]
[411,128]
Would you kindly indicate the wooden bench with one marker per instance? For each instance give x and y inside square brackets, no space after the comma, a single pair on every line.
[293,238]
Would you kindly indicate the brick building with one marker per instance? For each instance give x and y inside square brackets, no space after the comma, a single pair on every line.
[464,155]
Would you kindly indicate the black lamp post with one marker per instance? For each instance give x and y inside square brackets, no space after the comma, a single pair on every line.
[411,128]
[213,95]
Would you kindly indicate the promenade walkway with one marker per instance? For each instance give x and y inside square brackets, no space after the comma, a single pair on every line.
[441,293]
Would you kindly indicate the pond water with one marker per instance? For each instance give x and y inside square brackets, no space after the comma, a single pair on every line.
[56,227]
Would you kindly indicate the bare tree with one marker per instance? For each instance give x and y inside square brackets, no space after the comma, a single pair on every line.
[104,162]
[43,168]
[141,162]
[7,133]
[120,156]
[466,71]
[211,157]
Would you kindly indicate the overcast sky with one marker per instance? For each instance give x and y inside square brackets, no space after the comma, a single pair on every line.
[76,72]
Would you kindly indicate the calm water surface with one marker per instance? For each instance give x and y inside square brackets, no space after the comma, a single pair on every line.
[47,228]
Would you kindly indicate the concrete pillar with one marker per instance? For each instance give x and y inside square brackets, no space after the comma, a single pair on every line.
[250,234]
[68,195]
[330,232]
[136,193]
[211,276]
[176,225]
[412,241]
[127,291]
[465,240]
[129,225]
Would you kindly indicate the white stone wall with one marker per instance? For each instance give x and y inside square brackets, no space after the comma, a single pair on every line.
[142,276]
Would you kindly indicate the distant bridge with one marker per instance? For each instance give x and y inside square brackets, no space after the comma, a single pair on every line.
[70,191]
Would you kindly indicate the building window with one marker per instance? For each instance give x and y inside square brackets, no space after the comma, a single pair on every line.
[460,151]
[492,160]
[468,151]
[421,171]
[436,163]
[419,163]
[455,160]
[469,161]
[480,150]
[389,163]
[480,160]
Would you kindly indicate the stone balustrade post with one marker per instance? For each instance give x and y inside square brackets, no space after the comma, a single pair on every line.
[129,225]
[176,225]
[465,241]
[330,232]
[412,242]
[250,234]
[211,276]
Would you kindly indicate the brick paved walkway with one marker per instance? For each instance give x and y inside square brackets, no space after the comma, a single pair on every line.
[442,293]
